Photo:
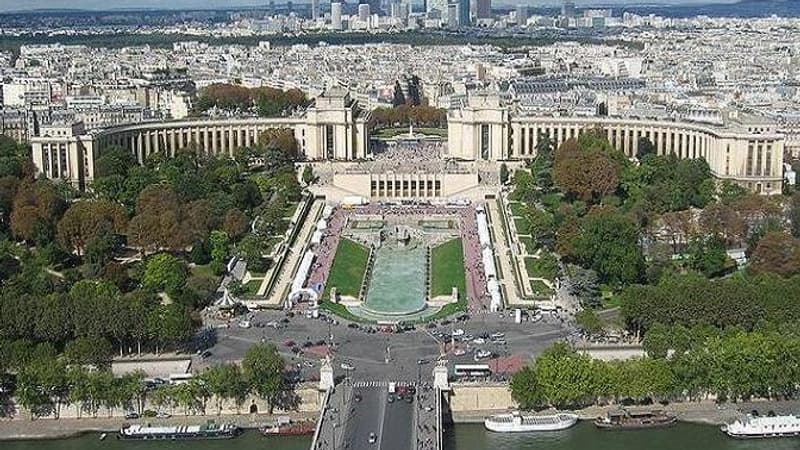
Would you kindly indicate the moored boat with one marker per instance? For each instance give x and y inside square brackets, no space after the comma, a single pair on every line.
[759,427]
[287,427]
[630,420]
[210,430]
[515,422]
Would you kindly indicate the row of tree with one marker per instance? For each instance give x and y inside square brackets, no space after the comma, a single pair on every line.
[734,365]
[47,383]
[268,102]
[403,115]
[691,299]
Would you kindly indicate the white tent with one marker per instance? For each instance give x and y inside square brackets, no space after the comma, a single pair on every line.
[483,230]
[488,263]
[322,224]
[302,271]
[316,238]
[327,211]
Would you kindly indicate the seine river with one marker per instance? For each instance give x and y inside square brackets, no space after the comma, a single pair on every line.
[462,437]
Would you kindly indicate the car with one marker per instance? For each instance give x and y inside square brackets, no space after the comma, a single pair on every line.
[357,398]
[163,415]
[307,344]
[297,350]
[458,332]
[422,362]
[320,342]
[244,324]
[499,342]
[308,364]
[390,398]
[431,325]
[446,322]
[479,341]
[132,415]
[459,352]
[409,399]
[352,325]
[497,335]
[373,438]
[289,343]
[347,366]
[284,320]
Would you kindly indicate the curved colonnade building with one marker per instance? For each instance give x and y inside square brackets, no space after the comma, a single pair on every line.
[746,151]
[334,128]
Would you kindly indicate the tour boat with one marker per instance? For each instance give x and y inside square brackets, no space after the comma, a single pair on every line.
[210,430]
[515,422]
[752,427]
[626,420]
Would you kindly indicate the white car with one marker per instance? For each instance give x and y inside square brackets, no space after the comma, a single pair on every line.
[372,438]
[347,366]
[479,341]
[244,324]
[458,332]
[460,352]
[498,335]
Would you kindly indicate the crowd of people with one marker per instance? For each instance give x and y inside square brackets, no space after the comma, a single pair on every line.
[409,158]
[326,249]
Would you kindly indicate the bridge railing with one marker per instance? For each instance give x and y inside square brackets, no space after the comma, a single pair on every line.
[322,411]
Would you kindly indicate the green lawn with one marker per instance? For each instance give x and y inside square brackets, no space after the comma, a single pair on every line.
[541,289]
[523,225]
[349,266]
[251,288]
[545,267]
[517,209]
[527,241]
[203,271]
[447,269]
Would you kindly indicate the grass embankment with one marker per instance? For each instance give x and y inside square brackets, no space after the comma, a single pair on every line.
[347,272]
[447,269]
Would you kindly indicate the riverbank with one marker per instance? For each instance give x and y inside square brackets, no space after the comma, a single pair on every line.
[702,413]
[47,429]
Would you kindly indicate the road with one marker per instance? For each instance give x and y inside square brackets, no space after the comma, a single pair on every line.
[367,352]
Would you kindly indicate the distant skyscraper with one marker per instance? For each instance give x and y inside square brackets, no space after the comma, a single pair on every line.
[463,13]
[396,9]
[315,9]
[452,15]
[439,5]
[568,9]
[363,12]
[336,16]
[522,14]
[483,9]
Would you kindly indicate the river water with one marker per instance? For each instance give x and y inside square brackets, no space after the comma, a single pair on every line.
[462,437]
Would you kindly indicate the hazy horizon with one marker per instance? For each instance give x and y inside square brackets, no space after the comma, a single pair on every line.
[106,5]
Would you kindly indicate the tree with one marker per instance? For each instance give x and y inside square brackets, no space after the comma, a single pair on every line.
[157,223]
[646,147]
[525,389]
[263,367]
[96,351]
[588,321]
[584,284]
[707,255]
[587,168]
[235,223]
[794,214]
[224,381]
[114,160]
[608,244]
[503,173]
[414,89]
[252,249]
[164,272]
[36,210]
[777,252]
[398,98]
[220,245]
[86,221]
[541,226]
[308,175]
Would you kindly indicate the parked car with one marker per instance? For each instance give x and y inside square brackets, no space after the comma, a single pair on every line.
[132,415]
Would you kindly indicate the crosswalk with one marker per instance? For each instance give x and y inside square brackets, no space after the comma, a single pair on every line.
[382,384]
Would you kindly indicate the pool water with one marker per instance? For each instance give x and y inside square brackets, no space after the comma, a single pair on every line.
[397,283]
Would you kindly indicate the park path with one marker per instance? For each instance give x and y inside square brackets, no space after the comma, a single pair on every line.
[503,253]
[287,270]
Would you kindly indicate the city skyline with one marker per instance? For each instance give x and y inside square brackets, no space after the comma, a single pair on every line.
[100,5]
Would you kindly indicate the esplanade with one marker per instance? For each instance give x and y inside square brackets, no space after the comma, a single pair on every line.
[747,151]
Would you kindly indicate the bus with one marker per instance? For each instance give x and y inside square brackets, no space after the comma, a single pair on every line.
[472,371]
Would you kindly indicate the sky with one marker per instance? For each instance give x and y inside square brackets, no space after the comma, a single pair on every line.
[20,5]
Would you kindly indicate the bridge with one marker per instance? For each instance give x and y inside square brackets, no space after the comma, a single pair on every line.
[381,415]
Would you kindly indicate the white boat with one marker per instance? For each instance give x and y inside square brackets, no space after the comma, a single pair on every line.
[752,427]
[515,422]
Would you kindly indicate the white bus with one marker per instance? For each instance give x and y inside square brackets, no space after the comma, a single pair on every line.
[472,371]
